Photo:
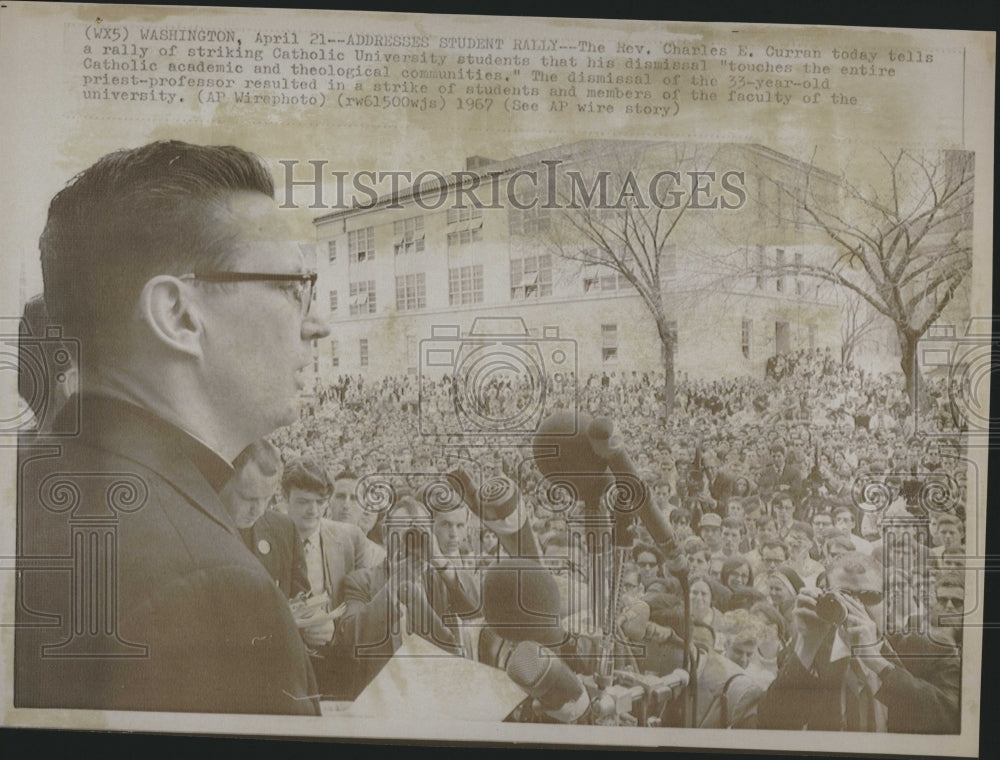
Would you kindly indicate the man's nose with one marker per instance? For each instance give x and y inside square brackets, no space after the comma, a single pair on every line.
[314,327]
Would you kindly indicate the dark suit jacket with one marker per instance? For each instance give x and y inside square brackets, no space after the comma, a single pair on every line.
[921,691]
[135,591]
[365,631]
[274,540]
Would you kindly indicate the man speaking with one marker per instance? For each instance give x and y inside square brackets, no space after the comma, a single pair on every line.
[169,263]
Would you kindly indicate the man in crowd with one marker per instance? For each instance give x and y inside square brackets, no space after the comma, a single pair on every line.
[172,266]
[950,552]
[414,581]
[269,534]
[845,521]
[344,505]
[822,523]
[843,675]
[332,550]
[800,541]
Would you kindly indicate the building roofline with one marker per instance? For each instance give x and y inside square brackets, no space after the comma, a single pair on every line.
[563,150]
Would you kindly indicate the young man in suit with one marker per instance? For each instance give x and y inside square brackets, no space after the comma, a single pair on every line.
[269,534]
[172,267]
[332,550]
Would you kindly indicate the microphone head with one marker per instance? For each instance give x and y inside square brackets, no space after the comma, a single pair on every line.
[564,453]
[499,498]
[521,602]
[546,678]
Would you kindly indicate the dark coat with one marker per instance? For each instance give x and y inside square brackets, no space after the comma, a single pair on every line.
[921,691]
[274,540]
[122,536]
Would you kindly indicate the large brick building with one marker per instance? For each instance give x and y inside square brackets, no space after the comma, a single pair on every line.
[405,269]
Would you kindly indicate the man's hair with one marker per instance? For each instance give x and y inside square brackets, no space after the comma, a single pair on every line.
[800,526]
[647,549]
[949,578]
[949,520]
[306,474]
[775,545]
[132,215]
[732,522]
[764,520]
[344,475]
[781,497]
[262,453]
[844,510]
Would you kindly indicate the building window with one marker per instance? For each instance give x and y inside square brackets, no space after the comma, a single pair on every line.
[361,244]
[465,226]
[531,277]
[746,337]
[363,351]
[799,285]
[465,285]
[465,236]
[597,279]
[456,215]
[362,297]
[779,265]
[331,249]
[409,235]
[761,264]
[609,343]
[334,354]
[529,221]
[410,292]
[333,301]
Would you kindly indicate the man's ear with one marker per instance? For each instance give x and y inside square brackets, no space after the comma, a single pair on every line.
[171,314]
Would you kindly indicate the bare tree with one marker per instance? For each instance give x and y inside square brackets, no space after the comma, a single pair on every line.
[858,323]
[902,231]
[620,213]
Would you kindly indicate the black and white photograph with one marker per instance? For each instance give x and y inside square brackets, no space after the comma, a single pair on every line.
[489,379]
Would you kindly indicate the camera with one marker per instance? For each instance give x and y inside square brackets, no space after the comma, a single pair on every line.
[831,608]
[499,377]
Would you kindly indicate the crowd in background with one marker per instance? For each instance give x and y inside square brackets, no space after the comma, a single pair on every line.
[765,482]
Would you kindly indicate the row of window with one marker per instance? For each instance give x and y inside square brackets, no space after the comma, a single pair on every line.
[780,262]
[335,354]
[408,234]
[530,277]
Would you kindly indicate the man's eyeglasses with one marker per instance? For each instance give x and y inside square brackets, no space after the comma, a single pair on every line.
[302,285]
[956,602]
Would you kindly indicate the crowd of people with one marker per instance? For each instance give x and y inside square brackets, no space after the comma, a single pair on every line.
[770,486]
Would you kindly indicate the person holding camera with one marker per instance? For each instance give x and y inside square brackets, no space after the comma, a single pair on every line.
[842,674]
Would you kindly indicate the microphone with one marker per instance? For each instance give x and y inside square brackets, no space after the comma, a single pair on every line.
[521,602]
[587,454]
[498,504]
[557,690]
